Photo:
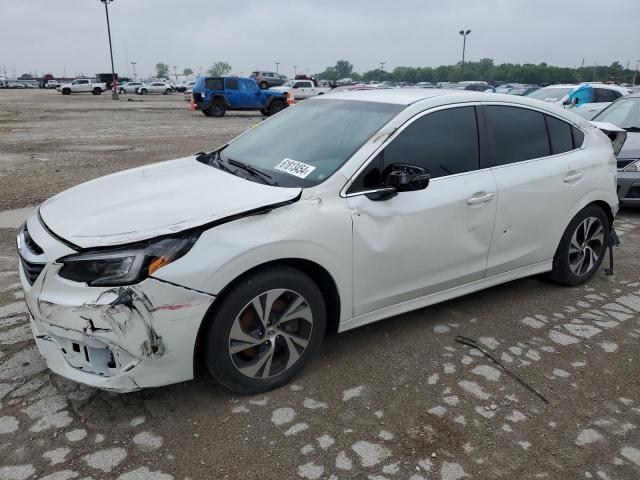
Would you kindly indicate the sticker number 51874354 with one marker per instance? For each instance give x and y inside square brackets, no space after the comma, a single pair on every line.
[295,168]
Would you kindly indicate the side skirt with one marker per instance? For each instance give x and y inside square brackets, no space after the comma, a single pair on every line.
[454,292]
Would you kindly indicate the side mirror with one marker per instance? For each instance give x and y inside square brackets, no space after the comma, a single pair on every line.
[400,177]
[406,178]
[567,102]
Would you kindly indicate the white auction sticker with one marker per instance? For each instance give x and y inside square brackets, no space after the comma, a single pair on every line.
[295,168]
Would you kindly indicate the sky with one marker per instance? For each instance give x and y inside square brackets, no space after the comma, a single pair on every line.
[70,36]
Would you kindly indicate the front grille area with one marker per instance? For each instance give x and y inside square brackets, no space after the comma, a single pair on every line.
[31,270]
[30,252]
[623,162]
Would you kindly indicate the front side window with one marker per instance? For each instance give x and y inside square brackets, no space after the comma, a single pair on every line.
[516,134]
[444,142]
[248,86]
[333,131]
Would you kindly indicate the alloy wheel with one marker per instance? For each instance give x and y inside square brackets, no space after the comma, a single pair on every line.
[271,333]
[587,244]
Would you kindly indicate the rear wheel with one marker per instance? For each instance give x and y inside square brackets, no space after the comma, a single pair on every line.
[217,109]
[66,91]
[97,91]
[276,106]
[144,91]
[265,330]
[582,247]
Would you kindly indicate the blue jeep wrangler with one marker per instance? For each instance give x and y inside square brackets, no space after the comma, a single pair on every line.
[215,95]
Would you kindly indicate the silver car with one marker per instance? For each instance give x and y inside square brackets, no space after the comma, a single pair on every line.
[129,87]
[625,113]
[154,87]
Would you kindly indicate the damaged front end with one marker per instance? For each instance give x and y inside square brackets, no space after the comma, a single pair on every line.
[116,337]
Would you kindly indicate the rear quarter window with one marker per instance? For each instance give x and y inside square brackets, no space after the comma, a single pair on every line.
[560,135]
[214,84]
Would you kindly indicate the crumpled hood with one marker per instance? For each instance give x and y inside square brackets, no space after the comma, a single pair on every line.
[154,200]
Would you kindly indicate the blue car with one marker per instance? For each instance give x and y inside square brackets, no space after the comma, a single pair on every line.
[215,95]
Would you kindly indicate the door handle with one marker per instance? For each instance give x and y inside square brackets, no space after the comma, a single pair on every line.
[481,199]
[573,177]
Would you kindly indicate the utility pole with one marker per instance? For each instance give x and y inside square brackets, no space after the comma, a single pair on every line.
[126,58]
[382,64]
[277,66]
[595,69]
[133,64]
[295,67]
[114,94]
[464,34]
[635,74]
[175,72]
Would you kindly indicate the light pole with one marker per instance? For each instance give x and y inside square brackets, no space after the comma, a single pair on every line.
[382,64]
[464,34]
[114,94]
[277,65]
[635,74]
[295,67]
[133,64]
[175,72]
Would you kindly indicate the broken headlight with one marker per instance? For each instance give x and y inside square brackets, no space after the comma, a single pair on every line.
[125,265]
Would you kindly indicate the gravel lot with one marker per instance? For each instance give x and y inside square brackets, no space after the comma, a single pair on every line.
[396,400]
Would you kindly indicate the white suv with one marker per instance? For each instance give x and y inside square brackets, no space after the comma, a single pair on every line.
[240,259]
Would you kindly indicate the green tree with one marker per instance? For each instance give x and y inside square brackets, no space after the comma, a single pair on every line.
[187,71]
[162,70]
[219,69]
[343,69]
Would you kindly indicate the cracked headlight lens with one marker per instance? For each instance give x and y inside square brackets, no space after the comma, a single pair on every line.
[125,265]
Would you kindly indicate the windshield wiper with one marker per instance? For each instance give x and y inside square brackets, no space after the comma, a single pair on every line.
[213,159]
[265,177]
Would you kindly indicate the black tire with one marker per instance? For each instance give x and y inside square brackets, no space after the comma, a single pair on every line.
[167,91]
[265,112]
[144,91]
[122,91]
[276,106]
[97,91]
[216,356]
[217,109]
[563,272]
[264,85]
[66,91]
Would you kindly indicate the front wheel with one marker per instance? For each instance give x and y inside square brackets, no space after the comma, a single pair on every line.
[143,92]
[276,107]
[167,91]
[582,247]
[265,330]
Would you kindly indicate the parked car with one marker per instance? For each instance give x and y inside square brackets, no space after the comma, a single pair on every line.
[214,96]
[154,87]
[625,113]
[523,90]
[129,87]
[52,84]
[240,259]
[586,99]
[301,89]
[81,85]
[268,79]
[184,86]
[424,85]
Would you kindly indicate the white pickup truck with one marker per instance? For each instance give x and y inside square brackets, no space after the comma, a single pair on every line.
[81,85]
[301,89]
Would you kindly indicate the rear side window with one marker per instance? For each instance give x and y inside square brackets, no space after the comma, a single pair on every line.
[231,83]
[605,95]
[443,142]
[516,134]
[560,135]
[214,84]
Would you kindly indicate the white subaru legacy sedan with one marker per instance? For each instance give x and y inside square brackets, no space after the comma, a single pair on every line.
[337,212]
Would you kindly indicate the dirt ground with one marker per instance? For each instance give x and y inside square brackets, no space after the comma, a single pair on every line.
[399,399]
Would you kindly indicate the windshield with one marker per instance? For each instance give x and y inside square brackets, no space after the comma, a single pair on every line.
[625,113]
[551,94]
[289,84]
[304,145]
